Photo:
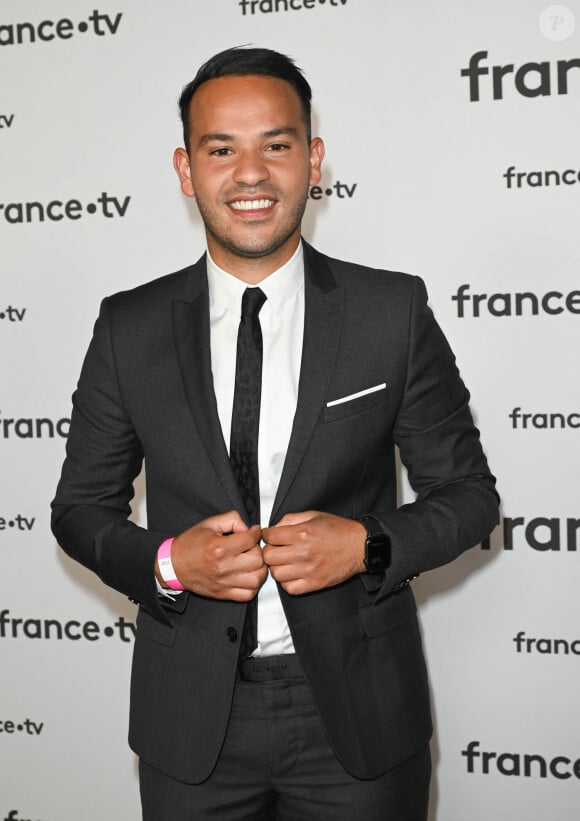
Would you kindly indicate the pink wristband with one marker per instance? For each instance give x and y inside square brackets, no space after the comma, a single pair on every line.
[166,566]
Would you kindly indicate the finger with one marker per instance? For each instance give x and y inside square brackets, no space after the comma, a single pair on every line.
[242,542]
[297,587]
[238,524]
[248,581]
[279,535]
[297,518]
[230,522]
[276,556]
[246,562]
[285,572]
[241,594]
[245,573]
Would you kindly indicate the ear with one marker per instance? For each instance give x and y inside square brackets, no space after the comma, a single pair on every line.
[183,169]
[316,157]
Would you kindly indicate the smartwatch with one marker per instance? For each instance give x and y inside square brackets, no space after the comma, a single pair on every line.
[377,544]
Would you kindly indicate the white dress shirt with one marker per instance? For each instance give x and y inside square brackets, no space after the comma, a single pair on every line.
[282,323]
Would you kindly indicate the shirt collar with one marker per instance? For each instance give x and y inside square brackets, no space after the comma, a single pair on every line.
[279,287]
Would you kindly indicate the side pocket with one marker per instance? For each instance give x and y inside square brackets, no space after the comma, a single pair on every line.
[150,628]
[388,614]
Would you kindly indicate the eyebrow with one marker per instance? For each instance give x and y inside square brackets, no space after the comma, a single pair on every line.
[218,137]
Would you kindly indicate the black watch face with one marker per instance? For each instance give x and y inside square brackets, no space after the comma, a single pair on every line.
[378,553]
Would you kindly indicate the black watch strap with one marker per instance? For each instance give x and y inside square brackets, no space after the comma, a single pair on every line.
[377,544]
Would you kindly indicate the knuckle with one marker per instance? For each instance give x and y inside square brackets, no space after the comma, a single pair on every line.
[216,568]
[216,559]
[304,535]
[257,561]
[246,594]
[217,551]
[304,555]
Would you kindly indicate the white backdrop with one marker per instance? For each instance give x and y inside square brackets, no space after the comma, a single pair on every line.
[419,181]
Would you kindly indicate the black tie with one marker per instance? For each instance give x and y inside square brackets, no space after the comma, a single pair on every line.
[244,435]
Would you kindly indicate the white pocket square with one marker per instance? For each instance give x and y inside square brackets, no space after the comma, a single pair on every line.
[352,396]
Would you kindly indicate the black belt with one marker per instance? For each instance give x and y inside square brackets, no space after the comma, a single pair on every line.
[270,668]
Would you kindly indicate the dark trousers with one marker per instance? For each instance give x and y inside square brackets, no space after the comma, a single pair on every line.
[277,765]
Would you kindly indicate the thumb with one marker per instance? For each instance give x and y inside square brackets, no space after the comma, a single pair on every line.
[230,522]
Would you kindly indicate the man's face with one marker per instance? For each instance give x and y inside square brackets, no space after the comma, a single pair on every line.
[249,167]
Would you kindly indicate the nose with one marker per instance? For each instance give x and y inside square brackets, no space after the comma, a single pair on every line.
[251,168]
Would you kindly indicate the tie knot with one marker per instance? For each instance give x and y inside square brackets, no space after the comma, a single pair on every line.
[252,301]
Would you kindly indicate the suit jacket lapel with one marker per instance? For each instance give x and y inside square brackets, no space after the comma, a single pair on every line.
[322,327]
[192,340]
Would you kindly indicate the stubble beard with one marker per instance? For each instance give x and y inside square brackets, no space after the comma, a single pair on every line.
[253,247]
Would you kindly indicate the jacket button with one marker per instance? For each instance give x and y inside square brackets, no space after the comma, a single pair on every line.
[232,634]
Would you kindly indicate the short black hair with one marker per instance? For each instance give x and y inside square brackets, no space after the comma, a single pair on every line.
[241,60]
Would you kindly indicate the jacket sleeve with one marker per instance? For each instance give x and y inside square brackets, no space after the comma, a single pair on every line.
[456,505]
[92,504]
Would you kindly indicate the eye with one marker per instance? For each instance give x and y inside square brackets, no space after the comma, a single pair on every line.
[278,147]
[221,152]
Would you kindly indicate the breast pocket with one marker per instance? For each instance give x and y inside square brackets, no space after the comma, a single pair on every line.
[345,406]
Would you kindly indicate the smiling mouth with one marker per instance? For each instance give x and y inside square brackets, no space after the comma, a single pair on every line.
[251,205]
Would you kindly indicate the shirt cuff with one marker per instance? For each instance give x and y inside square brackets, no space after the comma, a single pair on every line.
[166,592]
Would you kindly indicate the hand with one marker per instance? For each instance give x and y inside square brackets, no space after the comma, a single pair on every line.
[220,557]
[311,550]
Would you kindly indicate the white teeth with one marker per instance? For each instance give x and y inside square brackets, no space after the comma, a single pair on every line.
[251,205]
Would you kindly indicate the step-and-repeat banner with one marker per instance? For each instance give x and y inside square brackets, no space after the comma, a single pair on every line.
[452,134]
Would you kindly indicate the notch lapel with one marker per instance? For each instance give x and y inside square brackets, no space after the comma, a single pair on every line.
[323,313]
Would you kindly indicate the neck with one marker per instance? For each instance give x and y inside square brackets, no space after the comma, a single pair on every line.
[252,270]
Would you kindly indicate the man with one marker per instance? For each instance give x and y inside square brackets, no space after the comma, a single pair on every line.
[265,386]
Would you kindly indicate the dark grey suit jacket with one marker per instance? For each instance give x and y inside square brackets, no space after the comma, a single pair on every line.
[146,391]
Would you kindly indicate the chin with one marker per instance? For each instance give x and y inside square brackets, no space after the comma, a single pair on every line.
[256,249]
